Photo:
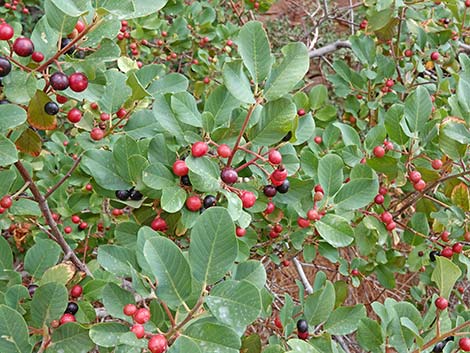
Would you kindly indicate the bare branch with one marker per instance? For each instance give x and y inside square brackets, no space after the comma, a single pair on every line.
[303,277]
[329,48]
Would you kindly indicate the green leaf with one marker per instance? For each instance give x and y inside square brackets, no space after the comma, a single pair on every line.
[300,346]
[115,298]
[364,49]
[236,304]
[221,103]
[418,109]
[252,271]
[370,335]
[463,89]
[173,199]
[29,142]
[37,116]
[253,46]
[213,337]
[289,72]
[8,152]
[345,319]
[236,82]
[203,173]
[70,338]
[277,118]
[157,176]
[318,96]
[100,165]
[335,230]
[360,190]
[123,149]
[170,268]
[116,259]
[183,345]
[14,336]
[171,83]
[330,173]
[107,334]
[19,87]
[115,93]
[445,274]
[185,108]
[6,256]
[43,309]
[11,116]
[61,273]
[62,15]
[42,255]
[214,246]
[319,305]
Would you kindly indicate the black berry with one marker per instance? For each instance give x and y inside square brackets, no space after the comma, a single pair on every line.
[209,201]
[51,108]
[229,175]
[64,42]
[284,187]
[433,254]
[32,289]
[438,347]
[72,308]
[5,66]
[123,195]
[270,190]
[135,195]
[59,81]
[287,137]
[302,326]
[185,180]
[4,101]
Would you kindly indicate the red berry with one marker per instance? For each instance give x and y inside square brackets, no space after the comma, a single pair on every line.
[79,26]
[68,230]
[269,208]
[388,145]
[37,56]
[240,232]
[408,53]
[277,322]
[159,224]
[94,106]
[302,335]
[193,203]
[6,31]
[117,212]
[180,168]
[61,99]
[275,157]
[441,303]
[129,309]
[199,149]
[121,113]
[224,151]
[23,46]
[414,176]
[445,236]
[279,175]
[379,151]
[229,42]
[464,342]
[447,252]
[437,163]
[285,263]
[75,219]
[355,272]
[434,56]
[76,291]
[83,225]
[96,134]
[467,3]
[6,202]
[457,248]
[248,199]
[301,112]
[141,316]
[363,24]
[89,187]
[273,234]
[420,185]
[383,190]
[78,82]
[318,140]
[206,80]
[157,344]
[277,228]
[303,223]
[105,117]
[67,318]
[386,217]
[74,115]
[389,83]
[313,215]
[379,199]
[391,226]
[138,330]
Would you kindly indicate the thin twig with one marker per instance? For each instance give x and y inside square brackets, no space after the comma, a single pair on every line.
[64,178]
[303,276]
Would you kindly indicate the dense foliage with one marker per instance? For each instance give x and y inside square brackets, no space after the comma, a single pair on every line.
[157,158]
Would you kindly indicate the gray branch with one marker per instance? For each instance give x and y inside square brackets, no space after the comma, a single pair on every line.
[329,48]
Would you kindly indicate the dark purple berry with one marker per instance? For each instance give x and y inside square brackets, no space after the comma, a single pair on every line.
[185,180]
[32,289]
[5,66]
[59,81]
[123,195]
[72,308]
[209,201]
[270,190]
[64,42]
[229,175]
[284,187]
[51,108]
[135,195]
[302,326]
